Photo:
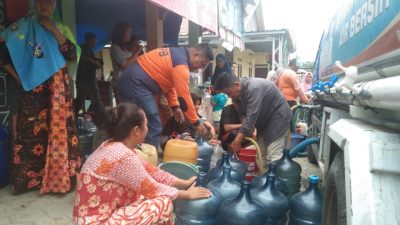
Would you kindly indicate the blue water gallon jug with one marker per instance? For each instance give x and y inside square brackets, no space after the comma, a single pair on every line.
[216,172]
[306,207]
[201,211]
[237,165]
[242,209]
[225,186]
[204,156]
[274,202]
[4,157]
[259,181]
[289,171]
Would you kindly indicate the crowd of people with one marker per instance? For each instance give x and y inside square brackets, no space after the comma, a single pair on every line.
[114,183]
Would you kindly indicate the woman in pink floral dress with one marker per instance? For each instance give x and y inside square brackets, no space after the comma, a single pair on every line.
[116,186]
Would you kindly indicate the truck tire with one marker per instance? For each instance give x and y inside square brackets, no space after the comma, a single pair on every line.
[334,210]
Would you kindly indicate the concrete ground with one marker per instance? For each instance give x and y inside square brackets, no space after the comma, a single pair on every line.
[308,169]
[32,209]
[56,209]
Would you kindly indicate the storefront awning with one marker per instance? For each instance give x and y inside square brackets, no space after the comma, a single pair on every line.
[202,12]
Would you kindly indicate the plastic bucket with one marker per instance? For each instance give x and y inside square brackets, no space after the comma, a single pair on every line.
[249,157]
[180,169]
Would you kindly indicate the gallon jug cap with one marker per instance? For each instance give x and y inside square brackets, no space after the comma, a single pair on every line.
[313,179]
[245,183]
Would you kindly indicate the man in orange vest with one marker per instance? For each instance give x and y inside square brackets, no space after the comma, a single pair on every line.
[164,70]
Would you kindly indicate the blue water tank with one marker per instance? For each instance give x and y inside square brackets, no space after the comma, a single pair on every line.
[306,207]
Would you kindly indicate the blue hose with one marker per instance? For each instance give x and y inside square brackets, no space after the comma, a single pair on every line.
[302,145]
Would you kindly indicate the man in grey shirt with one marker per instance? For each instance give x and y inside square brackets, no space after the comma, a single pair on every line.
[262,106]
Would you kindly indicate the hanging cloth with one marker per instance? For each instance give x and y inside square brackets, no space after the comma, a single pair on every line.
[34,51]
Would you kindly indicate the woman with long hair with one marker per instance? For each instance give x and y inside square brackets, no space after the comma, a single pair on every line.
[120,53]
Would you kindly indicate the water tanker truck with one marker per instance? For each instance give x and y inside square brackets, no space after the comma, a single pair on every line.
[355,113]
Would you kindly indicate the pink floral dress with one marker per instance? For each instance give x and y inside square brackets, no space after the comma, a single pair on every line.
[116,186]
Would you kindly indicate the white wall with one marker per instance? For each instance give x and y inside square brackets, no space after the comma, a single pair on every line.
[248,59]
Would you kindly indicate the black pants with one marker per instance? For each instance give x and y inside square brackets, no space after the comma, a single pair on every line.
[88,90]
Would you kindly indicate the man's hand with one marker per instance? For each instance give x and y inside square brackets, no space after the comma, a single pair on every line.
[202,130]
[237,143]
[178,115]
[235,146]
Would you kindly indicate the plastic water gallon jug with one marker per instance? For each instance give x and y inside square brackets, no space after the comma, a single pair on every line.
[225,186]
[4,157]
[306,207]
[216,172]
[289,171]
[242,209]
[86,131]
[204,156]
[236,164]
[217,155]
[201,211]
[280,185]
[181,150]
[274,202]
[85,138]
